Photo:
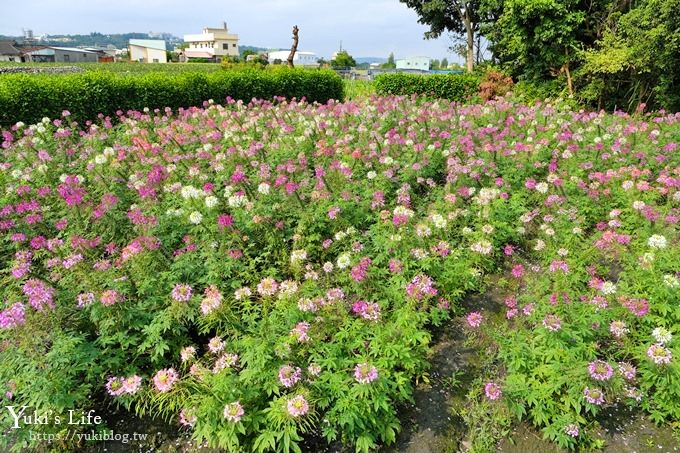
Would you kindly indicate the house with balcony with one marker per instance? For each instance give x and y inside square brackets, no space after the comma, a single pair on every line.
[147,51]
[213,44]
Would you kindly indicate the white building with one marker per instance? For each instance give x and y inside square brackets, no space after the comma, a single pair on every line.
[213,43]
[147,51]
[303,59]
[418,63]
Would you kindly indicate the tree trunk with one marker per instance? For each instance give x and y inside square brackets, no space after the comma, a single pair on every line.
[570,83]
[293,49]
[470,58]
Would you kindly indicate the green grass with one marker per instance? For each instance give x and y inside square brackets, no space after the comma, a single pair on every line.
[355,89]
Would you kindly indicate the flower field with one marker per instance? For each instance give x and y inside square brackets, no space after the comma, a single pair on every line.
[260,273]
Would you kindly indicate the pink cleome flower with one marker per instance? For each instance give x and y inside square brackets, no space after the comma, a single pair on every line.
[182,292]
[492,391]
[165,379]
[594,396]
[474,319]
[600,370]
[365,373]
[297,406]
[659,354]
[233,411]
[289,375]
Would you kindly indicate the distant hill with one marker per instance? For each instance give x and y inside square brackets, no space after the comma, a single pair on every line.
[361,60]
[120,41]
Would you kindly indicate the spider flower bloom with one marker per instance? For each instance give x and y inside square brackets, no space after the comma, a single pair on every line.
[165,379]
[289,375]
[267,287]
[474,319]
[618,328]
[233,411]
[662,335]
[216,345]
[187,417]
[552,323]
[365,373]
[182,292]
[300,332]
[211,301]
[131,384]
[657,242]
[13,316]
[600,370]
[39,294]
[594,396]
[114,386]
[187,353]
[571,430]
[627,370]
[659,354]
[492,391]
[297,406]
[109,297]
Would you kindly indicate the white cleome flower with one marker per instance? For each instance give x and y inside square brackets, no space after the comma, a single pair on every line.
[195,217]
[211,201]
[657,242]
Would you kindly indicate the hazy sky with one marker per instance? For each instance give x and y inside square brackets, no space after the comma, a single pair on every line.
[366,27]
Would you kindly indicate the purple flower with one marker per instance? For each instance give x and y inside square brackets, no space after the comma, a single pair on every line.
[13,316]
[594,396]
[365,373]
[552,323]
[289,375]
[659,354]
[474,319]
[492,391]
[571,430]
[600,370]
[39,294]
[182,292]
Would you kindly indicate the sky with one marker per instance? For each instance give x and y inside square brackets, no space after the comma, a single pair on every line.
[366,28]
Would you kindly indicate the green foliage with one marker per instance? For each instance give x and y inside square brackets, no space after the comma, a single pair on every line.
[445,86]
[30,97]
[636,60]
[343,60]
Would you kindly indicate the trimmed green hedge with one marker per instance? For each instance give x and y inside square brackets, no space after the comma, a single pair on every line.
[455,87]
[31,97]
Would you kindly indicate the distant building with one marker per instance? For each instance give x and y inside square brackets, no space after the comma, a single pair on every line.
[213,44]
[52,54]
[304,59]
[147,51]
[8,52]
[417,63]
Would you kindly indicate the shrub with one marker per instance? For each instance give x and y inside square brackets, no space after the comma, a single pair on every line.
[493,84]
[454,87]
[29,98]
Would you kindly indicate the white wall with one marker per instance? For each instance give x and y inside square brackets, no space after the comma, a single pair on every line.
[147,55]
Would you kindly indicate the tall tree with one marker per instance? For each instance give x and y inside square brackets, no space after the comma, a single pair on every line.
[444,64]
[343,60]
[455,16]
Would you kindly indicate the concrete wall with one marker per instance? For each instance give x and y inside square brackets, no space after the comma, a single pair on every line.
[68,56]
